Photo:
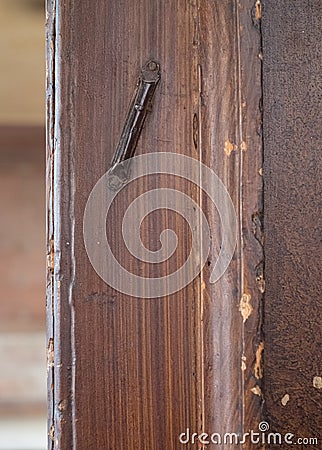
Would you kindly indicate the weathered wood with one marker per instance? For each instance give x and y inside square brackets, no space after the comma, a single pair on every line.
[134,373]
[293,163]
[230,62]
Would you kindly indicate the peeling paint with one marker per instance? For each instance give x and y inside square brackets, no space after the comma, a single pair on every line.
[258,10]
[260,171]
[229,147]
[257,390]
[50,354]
[51,433]
[260,281]
[317,382]
[62,405]
[258,371]
[245,306]
[243,364]
[243,146]
[50,256]
[285,399]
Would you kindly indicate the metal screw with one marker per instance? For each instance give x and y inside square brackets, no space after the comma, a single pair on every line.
[152,66]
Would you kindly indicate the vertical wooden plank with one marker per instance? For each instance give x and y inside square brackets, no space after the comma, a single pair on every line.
[128,372]
[292,133]
[50,123]
[230,62]
[125,368]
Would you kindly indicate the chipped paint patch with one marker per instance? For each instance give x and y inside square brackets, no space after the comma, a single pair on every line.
[51,432]
[243,146]
[260,171]
[285,400]
[260,281]
[50,354]
[258,10]
[317,382]
[245,306]
[62,405]
[51,256]
[229,147]
[257,391]
[243,363]
[258,371]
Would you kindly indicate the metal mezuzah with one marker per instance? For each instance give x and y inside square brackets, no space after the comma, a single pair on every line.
[140,105]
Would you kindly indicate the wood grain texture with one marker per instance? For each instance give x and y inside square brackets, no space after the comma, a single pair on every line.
[293,162]
[134,373]
[230,44]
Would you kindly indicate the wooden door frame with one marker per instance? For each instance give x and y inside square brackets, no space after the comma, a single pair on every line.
[211,87]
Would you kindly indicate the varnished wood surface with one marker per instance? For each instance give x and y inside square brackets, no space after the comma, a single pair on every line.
[293,163]
[229,36]
[133,373]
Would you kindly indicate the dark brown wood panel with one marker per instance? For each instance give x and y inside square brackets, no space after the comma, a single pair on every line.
[293,163]
[230,65]
[125,368]
[134,373]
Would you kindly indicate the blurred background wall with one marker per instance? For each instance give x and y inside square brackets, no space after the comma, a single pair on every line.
[22,225]
[22,62]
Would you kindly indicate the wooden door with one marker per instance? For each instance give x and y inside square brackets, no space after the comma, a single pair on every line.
[135,372]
